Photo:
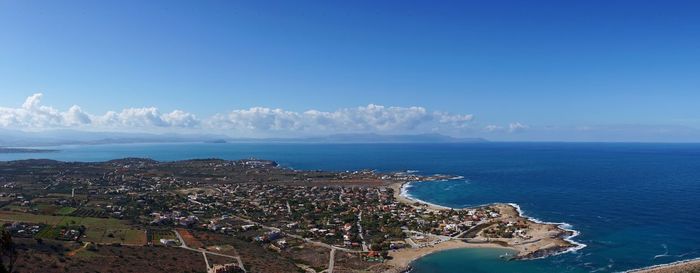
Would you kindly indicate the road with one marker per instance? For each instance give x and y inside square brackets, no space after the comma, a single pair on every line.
[297,236]
[331,261]
[206,261]
[269,228]
[205,252]
[361,232]
[240,264]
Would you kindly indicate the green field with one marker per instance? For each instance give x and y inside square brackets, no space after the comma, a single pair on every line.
[109,236]
[41,208]
[162,234]
[65,211]
[98,229]
[61,220]
[48,232]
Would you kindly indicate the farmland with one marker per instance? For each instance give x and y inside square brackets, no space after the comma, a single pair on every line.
[154,236]
[65,211]
[84,212]
[98,230]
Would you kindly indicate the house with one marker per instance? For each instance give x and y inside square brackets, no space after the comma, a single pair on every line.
[397,244]
[169,242]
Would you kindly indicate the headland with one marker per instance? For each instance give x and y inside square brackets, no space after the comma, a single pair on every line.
[503,226]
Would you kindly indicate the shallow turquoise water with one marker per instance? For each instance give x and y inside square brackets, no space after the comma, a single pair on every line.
[634,204]
[476,261]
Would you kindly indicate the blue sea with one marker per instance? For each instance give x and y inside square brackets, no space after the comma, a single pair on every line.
[635,205]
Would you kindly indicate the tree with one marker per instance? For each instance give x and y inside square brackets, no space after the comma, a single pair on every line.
[8,252]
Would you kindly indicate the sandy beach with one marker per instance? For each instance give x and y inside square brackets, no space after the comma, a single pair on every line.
[398,189]
[402,258]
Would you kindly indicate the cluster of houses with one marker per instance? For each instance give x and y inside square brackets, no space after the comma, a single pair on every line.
[70,233]
[328,214]
[19,229]
[333,215]
[225,268]
[174,218]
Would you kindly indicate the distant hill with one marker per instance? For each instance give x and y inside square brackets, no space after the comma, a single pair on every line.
[368,138]
[23,150]
[10,138]
[376,138]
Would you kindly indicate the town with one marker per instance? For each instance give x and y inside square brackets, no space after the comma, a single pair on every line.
[238,216]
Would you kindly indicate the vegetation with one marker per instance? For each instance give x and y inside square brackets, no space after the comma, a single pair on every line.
[8,252]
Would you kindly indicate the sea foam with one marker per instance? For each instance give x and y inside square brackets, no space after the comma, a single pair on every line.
[563,225]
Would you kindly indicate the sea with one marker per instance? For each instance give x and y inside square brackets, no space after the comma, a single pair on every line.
[634,204]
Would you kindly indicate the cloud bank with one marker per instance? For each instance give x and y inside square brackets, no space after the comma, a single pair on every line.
[33,115]
[255,121]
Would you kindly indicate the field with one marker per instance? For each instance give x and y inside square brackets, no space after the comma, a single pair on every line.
[65,211]
[55,256]
[156,235]
[110,235]
[61,220]
[190,240]
[99,230]
[84,212]
[255,256]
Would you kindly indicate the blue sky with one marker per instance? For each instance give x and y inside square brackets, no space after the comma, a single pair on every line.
[523,70]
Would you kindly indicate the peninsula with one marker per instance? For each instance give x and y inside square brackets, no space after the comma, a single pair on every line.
[489,226]
[242,216]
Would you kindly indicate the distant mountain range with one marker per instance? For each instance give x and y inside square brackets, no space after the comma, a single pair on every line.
[368,138]
[10,138]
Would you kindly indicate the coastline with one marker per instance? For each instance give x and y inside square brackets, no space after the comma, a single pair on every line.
[562,225]
[401,194]
[402,259]
[674,267]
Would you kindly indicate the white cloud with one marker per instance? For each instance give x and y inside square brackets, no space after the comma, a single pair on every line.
[493,128]
[253,121]
[370,118]
[33,115]
[75,116]
[257,119]
[511,128]
[516,127]
[145,118]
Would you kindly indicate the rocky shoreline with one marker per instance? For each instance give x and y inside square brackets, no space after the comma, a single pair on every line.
[547,239]
[686,266]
